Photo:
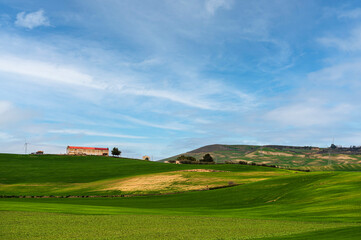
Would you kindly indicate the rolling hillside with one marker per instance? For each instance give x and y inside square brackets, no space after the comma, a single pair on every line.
[284,156]
[268,203]
[62,175]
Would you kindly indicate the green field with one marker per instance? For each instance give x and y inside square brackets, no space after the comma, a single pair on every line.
[269,203]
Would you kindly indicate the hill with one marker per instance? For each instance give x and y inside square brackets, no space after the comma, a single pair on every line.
[62,175]
[268,203]
[284,156]
[322,205]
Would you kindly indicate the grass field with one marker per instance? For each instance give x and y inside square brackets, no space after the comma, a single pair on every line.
[279,204]
[65,226]
[336,167]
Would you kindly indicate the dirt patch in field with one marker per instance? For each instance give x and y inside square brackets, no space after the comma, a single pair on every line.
[337,157]
[201,170]
[147,183]
[276,153]
[256,174]
[266,162]
[251,155]
[184,180]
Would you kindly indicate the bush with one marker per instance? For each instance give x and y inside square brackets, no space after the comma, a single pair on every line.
[186,158]
[207,158]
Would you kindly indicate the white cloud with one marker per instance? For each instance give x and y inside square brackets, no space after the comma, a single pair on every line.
[51,73]
[353,14]
[9,114]
[171,126]
[32,20]
[5,137]
[44,72]
[93,133]
[174,96]
[309,114]
[4,107]
[350,43]
[339,74]
[213,5]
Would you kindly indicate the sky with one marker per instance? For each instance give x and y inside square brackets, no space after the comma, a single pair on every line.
[160,78]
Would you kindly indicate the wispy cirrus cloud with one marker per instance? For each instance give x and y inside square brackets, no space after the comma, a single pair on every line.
[32,20]
[213,5]
[351,14]
[339,74]
[170,126]
[350,43]
[93,133]
[45,72]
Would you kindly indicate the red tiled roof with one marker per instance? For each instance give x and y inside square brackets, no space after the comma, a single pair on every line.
[88,148]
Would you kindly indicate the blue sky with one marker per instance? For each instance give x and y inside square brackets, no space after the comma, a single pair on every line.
[164,77]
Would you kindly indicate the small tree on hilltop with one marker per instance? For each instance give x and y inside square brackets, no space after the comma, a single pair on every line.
[116,152]
[207,158]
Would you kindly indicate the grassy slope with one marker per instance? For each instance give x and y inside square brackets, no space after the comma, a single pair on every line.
[77,169]
[338,167]
[81,175]
[268,155]
[320,200]
[332,198]
[315,196]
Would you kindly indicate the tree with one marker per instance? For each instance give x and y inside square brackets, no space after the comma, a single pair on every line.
[116,152]
[207,158]
[186,159]
[333,146]
[189,158]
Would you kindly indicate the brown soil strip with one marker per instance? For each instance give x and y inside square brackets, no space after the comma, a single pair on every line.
[201,170]
[118,196]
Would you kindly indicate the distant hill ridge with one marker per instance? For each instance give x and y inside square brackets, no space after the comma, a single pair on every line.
[211,148]
[223,147]
[281,155]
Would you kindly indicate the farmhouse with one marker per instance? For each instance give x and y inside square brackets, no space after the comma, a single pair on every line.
[72,150]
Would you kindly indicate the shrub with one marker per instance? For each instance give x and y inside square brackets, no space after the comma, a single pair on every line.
[186,158]
[207,158]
